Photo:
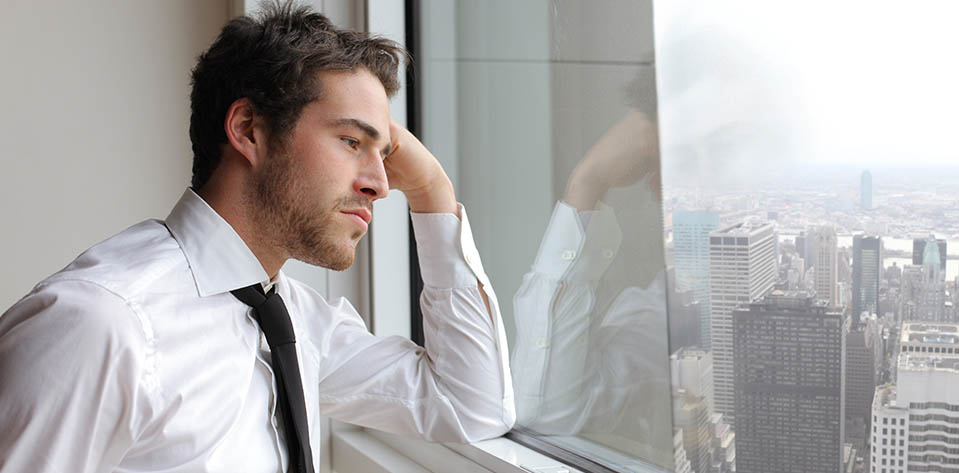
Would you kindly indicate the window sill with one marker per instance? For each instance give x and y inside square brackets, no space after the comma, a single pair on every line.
[377,452]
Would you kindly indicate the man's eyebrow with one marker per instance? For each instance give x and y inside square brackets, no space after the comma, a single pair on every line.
[366,128]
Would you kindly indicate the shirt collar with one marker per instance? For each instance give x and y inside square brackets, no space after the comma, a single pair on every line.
[218,257]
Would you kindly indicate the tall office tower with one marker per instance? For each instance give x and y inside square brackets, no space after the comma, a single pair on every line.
[865,190]
[691,259]
[683,310]
[691,369]
[742,265]
[824,260]
[919,250]
[789,385]
[915,426]
[863,362]
[923,294]
[866,271]
[910,293]
[691,417]
[691,372]
[933,259]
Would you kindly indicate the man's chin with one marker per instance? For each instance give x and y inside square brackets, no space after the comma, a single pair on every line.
[336,261]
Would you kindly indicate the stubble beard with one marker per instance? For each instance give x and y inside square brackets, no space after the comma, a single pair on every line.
[304,231]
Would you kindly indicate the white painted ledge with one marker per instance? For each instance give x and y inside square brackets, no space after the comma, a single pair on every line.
[369,451]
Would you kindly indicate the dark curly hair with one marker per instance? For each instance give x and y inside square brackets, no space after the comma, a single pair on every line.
[272,59]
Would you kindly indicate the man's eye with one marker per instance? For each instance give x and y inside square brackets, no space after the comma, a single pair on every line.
[350,142]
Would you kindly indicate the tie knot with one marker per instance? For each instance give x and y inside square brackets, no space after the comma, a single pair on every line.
[270,312]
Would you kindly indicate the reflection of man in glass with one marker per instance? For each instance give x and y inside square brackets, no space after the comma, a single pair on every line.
[590,357]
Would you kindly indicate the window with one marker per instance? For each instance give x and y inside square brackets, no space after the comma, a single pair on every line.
[515,97]
[726,254]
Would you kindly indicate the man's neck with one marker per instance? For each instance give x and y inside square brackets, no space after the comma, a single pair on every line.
[236,213]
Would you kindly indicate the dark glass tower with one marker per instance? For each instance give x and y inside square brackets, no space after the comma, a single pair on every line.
[866,272]
[789,385]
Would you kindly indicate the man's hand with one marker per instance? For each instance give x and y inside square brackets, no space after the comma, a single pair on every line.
[621,157]
[412,169]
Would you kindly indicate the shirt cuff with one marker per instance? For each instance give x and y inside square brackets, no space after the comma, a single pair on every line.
[446,251]
[571,249]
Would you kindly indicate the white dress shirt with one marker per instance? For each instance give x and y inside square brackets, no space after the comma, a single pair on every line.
[136,357]
[590,354]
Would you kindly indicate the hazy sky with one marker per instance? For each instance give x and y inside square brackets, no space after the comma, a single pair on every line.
[763,83]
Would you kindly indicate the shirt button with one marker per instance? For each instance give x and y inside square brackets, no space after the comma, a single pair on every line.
[569,254]
[608,254]
[542,342]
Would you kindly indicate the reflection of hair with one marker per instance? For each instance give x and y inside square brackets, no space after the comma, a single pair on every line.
[272,60]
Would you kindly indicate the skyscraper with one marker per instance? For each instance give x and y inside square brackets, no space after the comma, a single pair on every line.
[915,426]
[923,288]
[691,259]
[742,262]
[919,250]
[691,372]
[865,190]
[866,271]
[822,241]
[864,350]
[789,385]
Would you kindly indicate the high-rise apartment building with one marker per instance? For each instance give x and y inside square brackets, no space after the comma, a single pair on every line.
[822,241]
[691,231]
[743,268]
[789,385]
[865,190]
[866,272]
[915,426]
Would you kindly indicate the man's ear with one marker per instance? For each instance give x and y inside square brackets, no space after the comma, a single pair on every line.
[245,131]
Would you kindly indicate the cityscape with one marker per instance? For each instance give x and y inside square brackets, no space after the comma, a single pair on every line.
[813,323]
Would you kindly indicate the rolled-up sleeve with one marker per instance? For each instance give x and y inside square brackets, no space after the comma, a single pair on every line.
[456,388]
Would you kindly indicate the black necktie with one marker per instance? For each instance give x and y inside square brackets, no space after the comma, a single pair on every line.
[274,320]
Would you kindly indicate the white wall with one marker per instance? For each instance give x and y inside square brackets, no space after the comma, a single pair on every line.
[94,116]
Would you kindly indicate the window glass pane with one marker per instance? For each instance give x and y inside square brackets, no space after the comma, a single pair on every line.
[804,237]
[544,112]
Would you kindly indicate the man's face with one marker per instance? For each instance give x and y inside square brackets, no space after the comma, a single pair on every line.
[315,192]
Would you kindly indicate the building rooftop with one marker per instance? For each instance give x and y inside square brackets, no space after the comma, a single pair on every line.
[885,396]
[934,334]
[927,361]
[743,229]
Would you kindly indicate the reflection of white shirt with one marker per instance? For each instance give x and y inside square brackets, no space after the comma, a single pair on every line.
[136,357]
[586,366]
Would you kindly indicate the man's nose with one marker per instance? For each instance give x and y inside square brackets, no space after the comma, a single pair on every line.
[372,178]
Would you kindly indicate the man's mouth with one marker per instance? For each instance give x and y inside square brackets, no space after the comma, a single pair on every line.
[361,216]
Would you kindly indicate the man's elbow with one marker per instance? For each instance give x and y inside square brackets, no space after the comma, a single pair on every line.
[496,422]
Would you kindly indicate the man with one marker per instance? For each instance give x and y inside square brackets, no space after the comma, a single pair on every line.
[179,345]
